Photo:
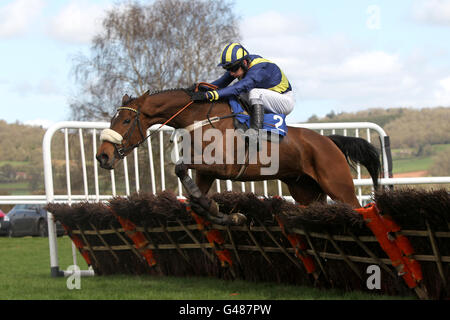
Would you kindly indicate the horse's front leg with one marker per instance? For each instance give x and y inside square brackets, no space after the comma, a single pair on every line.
[200,203]
[203,182]
[181,170]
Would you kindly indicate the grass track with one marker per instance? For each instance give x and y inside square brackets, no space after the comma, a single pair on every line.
[15,188]
[25,274]
[412,165]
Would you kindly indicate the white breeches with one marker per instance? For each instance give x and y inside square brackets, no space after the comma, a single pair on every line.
[272,101]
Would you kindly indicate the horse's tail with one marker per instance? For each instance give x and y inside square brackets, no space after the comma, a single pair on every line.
[358,150]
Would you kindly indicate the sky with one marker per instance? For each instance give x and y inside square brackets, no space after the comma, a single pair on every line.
[341,56]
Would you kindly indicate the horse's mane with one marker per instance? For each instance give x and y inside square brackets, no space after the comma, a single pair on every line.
[188,91]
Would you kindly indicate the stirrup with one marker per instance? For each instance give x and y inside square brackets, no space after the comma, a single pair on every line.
[251,137]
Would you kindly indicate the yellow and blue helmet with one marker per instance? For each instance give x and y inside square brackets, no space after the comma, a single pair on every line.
[231,54]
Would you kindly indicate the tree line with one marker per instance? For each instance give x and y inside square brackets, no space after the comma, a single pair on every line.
[161,45]
[408,128]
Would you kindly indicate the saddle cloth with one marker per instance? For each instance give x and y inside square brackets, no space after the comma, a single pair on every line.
[274,123]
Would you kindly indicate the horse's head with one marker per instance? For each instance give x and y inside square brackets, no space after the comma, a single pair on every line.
[131,121]
[128,130]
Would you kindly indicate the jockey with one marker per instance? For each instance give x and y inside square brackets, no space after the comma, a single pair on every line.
[261,83]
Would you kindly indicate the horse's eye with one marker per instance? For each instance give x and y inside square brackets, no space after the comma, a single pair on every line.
[127,121]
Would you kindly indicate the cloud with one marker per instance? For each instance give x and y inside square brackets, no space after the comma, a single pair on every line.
[275,24]
[336,71]
[48,86]
[371,63]
[17,16]
[77,23]
[442,93]
[44,87]
[435,12]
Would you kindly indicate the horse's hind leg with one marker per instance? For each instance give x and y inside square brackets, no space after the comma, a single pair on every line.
[329,168]
[305,190]
[338,184]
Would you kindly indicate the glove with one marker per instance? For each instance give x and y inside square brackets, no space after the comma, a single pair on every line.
[212,95]
[199,96]
[202,96]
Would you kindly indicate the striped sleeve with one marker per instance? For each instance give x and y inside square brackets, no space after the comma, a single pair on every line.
[223,81]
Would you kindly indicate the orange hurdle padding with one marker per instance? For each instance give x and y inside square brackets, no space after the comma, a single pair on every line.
[405,246]
[299,245]
[138,239]
[381,227]
[79,244]
[214,237]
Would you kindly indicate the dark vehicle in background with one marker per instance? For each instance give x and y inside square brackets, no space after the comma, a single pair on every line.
[4,223]
[30,220]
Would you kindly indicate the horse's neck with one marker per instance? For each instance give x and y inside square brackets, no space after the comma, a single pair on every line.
[200,112]
[173,102]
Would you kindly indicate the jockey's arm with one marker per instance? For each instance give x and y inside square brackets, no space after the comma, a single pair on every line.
[223,81]
[254,77]
[244,85]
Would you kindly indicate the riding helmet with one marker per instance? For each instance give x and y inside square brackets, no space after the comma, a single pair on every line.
[232,53]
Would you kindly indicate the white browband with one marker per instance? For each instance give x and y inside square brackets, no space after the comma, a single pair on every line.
[111,136]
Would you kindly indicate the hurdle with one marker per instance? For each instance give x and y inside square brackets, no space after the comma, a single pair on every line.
[93,189]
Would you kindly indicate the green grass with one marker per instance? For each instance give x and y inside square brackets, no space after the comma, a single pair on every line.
[16,188]
[440,147]
[25,274]
[13,163]
[411,165]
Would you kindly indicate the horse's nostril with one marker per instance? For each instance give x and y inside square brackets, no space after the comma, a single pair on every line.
[102,158]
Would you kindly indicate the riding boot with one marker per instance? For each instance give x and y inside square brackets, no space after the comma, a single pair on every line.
[256,123]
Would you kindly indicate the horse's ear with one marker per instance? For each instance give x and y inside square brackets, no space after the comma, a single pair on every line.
[125,99]
[146,93]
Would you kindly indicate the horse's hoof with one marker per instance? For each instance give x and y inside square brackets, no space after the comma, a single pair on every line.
[181,170]
[238,219]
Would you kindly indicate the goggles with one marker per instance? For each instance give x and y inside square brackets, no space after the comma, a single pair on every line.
[233,68]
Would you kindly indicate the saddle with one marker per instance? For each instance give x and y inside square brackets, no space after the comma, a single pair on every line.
[274,124]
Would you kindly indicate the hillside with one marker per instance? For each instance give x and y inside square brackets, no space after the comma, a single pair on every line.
[420,141]
[378,116]
[408,128]
[420,138]
[19,142]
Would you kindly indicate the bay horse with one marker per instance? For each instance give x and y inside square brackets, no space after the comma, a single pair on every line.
[311,165]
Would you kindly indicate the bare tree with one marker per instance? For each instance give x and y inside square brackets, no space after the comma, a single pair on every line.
[166,44]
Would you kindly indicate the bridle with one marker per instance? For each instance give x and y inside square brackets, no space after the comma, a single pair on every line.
[122,150]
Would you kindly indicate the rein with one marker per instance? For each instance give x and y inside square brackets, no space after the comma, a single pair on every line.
[121,150]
